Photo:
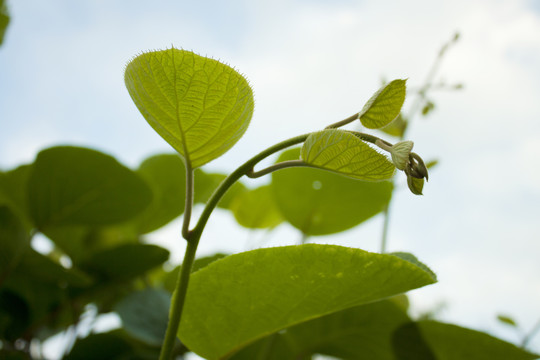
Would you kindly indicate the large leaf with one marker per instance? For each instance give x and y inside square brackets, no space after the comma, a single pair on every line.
[145,314]
[384,106]
[361,332]
[266,290]
[13,192]
[14,241]
[78,186]
[170,278]
[319,202]
[166,176]
[200,106]
[451,342]
[342,152]
[125,261]
[256,209]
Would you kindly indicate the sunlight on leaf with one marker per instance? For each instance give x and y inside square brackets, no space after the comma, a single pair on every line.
[200,106]
[345,154]
[384,106]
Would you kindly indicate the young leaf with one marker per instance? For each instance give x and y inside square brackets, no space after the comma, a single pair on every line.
[507,320]
[384,106]
[256,209]
[342,152]
[166,176]
[78,186]
[319,202]
[200,106]
[145,314]
[266,290]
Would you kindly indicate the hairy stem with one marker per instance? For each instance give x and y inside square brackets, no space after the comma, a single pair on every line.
[282,165]
[344,122]
[189,201]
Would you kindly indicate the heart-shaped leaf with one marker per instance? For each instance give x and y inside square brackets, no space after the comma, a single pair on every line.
[342,152]
[384,106]
[200,106]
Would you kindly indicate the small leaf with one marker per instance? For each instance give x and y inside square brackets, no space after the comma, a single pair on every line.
[319,202]
[415,185]
[145,314]
[200,106]
[506,320]
[78,186]
[396,127]
[266,290]
[4,20]
[256,209]
[342,152]
[384,106]
[166,176]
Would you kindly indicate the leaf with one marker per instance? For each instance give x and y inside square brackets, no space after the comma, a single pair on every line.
[361,332]
[166,176]
[14,241]
[200,106]
[256,209]
[145,314]
[451,342]
[396,127]
[266,290]
[170,278]
[207,183]
[384,106]
[101,346]
[320,202]
[4,20]
[78,186]
[342,152]
[13,192]
[507,320]
[125,261]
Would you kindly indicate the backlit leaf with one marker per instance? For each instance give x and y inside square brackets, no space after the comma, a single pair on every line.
[384,106]
[342,152]
[200,106]
[256,209]
[266,290]
[319,202]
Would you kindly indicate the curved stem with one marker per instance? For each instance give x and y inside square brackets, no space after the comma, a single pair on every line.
[341,123]
[193,236]
[189,201]
[282,165]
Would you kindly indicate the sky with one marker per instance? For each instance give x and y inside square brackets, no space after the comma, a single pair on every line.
[312,63]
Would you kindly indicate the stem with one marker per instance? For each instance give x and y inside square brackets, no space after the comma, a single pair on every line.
[189,200]
[177,301]
[529,336]
[341,123]
[386,225]
[193,236]
[282,165]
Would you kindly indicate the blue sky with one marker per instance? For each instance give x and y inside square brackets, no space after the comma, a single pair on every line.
[312,63]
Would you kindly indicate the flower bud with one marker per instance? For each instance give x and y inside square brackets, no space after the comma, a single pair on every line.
[401,152]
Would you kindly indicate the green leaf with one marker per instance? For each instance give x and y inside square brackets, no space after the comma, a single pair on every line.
[396,127]
[4,20]
[506,320]
[361,332]
[342,152]
[206,184]
[320,202]
[166,176]
[200,106]
[145,314]
[256,209]
[266,290]
[125,261]
[14,241]
[170,278]
[101,346]
[13,192]
[78,186]
[384,106]
[451,342]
